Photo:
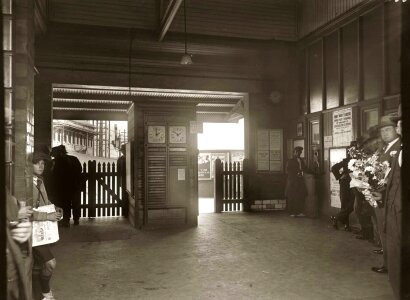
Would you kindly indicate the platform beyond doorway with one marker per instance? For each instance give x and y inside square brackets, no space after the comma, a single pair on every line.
[228,256]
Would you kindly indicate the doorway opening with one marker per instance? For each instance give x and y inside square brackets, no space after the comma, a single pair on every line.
[225,141]
[96,144]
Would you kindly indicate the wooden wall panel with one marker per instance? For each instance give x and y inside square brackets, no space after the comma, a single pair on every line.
[118,13]
[350,62]
[316,77]
[372,54]
[332,70]
[316,13]
[392,14]
[264,19]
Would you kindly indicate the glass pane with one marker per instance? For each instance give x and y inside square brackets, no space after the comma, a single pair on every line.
[6,6]
[315,134]
[7,33]
[7,70]
[8,107]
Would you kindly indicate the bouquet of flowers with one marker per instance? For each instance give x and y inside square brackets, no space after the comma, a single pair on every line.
[368,173]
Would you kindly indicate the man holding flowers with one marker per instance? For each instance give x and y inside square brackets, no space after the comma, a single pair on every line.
[393,216]
[392,145]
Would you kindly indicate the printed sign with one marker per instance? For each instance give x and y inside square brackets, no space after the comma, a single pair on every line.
[342,127]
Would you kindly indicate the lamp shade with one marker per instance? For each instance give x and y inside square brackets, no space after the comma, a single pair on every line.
[186,59]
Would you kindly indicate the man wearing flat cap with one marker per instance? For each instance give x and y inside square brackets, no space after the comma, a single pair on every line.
[391,148]
[295,187]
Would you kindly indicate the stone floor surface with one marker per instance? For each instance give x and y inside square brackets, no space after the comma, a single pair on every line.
[228,256]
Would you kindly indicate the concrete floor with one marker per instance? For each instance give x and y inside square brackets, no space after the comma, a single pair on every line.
[228,256]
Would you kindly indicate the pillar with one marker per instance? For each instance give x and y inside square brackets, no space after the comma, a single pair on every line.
[23,68]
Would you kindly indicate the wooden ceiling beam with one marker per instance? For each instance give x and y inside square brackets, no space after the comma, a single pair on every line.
[168,17]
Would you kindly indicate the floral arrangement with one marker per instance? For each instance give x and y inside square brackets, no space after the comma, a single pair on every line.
[368,173]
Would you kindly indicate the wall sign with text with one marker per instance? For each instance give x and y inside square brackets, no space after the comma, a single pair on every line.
[269,150]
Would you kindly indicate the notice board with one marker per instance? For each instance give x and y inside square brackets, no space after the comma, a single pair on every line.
[269,150]
[342,127]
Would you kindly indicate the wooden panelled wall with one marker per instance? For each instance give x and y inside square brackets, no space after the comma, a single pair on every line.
[354,65]
[359,61]
[315,13]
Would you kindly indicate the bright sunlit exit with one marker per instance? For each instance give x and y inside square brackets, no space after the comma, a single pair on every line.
[226,136]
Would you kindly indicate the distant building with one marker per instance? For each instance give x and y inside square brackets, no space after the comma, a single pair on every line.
[77,136]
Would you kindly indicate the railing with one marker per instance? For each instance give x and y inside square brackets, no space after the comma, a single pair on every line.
[100,195]
[231,186]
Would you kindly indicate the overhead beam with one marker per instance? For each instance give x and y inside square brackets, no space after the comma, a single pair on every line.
[168,17]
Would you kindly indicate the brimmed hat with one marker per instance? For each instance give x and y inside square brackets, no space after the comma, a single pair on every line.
[122,147]
[398,117]
[37,156]
[298,148]
[386,121]
[58,149]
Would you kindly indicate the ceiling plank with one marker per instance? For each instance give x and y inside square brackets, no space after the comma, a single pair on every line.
[168,17]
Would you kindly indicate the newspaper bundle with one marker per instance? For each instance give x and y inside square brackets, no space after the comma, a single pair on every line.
[45,232]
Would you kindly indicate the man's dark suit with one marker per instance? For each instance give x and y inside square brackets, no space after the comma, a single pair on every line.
[379,211]
[392,226]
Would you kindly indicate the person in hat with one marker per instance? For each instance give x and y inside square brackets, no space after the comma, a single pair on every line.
[67,184]
[43,255]
[393,216]
[391,146]
[295,186]
[341,172]
[121,168]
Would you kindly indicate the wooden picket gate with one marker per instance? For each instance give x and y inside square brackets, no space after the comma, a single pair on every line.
[231,186]
[101,190]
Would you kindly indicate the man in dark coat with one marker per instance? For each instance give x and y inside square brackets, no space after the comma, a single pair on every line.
[67,184]
[393,218]
[121,168]
[392,145]
[341,172]
[295,186]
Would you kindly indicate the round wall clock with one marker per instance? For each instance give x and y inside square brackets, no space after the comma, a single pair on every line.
[156,134]
[177,134]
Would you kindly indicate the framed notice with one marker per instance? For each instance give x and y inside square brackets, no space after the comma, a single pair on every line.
[299,129]
[335,155]
[269,153]
[342,127]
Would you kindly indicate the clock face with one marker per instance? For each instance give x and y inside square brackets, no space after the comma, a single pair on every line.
[156,134]
[177,134]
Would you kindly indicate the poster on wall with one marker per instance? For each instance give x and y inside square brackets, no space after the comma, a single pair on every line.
[222,156]
[269,150]
[335,155]
[342,127]
[204,166]
[237,156]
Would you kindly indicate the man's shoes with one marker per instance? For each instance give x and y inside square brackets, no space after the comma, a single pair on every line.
[333,219]
[292,215]
[301,215]
[380,270]
[76,222]
[378,251]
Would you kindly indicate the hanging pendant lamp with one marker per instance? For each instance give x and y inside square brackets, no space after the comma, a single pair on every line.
[186,58]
